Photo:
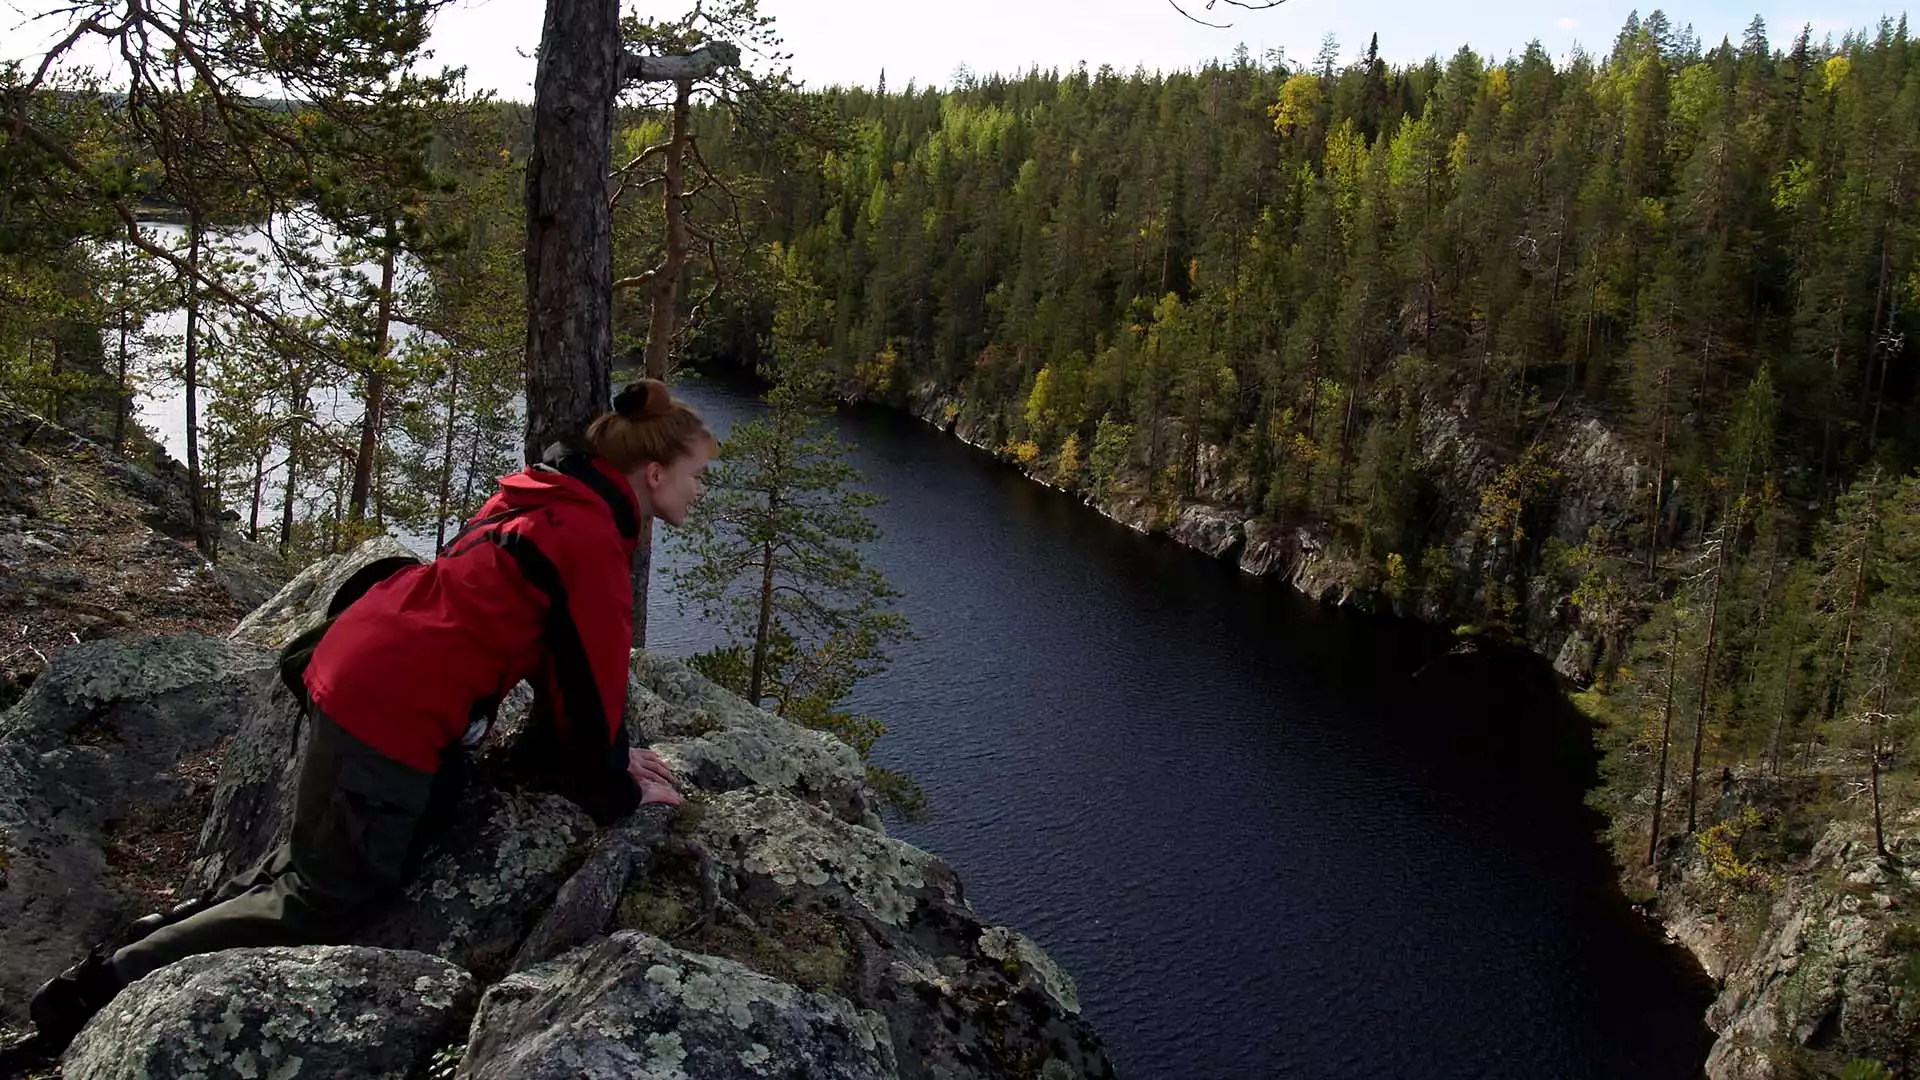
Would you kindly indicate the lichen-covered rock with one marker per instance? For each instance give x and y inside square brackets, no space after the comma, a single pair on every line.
[633,1006]
[1601,480]
[714,741]
[585,906]
[344,1011]
[1211,530]
[804,943]
[1133,509]
[109,734]
[1037,971]
[1324,573]
[765,835]
[887,925]
[492,876]
[253,798]
[1220,478]
[1574,662]
[89,679]
[302,603]
[1830,978]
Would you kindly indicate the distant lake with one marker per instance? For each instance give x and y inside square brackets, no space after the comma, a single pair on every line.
[1267,838]
[1261,844]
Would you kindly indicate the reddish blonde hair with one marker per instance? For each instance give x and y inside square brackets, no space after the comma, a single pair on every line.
[647,424]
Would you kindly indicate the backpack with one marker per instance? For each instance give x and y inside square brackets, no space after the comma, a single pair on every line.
[296,654]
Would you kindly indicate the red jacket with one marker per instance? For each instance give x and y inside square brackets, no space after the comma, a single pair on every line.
[414,662]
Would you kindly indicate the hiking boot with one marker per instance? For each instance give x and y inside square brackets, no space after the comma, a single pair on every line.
[62,1006]
[145,925]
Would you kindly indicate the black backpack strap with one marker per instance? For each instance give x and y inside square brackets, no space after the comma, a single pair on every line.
[482,523]
[610,789]
[578,463]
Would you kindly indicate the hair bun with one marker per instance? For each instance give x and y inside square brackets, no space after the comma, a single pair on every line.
[646,397]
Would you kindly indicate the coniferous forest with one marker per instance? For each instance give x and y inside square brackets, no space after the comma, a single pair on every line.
[1676,281]
[1270,288]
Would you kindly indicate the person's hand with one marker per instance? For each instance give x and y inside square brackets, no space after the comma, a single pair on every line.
[655,779]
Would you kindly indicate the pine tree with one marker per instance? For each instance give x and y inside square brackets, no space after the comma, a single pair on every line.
[776,548]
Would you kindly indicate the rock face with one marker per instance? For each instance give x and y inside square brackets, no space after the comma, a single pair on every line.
[1210,530]
[315,1011]
[633,1006]
[1594,485]
[503,861]
[771,928]
[1831,977]
[94,545]
[302,603]
[99,763]
[838,907]
[716,742]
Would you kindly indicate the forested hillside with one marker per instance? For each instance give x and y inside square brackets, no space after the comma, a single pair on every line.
[1270,288]
[1611,350]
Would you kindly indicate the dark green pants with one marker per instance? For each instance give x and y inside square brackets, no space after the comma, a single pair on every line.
[360,823]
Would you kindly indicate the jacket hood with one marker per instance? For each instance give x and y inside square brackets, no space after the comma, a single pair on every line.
[580,477]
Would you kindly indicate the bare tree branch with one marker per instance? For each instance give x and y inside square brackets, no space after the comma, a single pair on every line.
[637,281]
[1245,5]
[213,285]
[1175,5]
[701,62]
[639,159]
[621,191]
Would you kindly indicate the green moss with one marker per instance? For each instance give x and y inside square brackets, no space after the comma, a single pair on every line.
[799,945]
[1593,705]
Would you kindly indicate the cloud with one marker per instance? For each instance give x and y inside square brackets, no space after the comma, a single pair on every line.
[1566,22]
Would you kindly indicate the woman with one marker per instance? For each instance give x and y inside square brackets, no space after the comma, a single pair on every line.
[537,587]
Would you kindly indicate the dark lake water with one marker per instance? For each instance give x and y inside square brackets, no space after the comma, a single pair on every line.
[1267,839]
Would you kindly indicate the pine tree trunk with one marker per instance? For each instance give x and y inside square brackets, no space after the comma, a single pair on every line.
[296,397]
[215,527]
[253,511]
[56,366]
[1426,259]
[446,457]
[191,375]
[370,418]
[1836,687]
[339,512]
[665,287]
[1879,829]
[761,633]
[1764,608]
[1313,390]
[569,256]
[473,470]
[1706,681]
[286,501]
[1780,720]
[1659,476]
[1666,740]
[122,399]
[661,327]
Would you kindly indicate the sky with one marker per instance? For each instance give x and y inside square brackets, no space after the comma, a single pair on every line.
[850,42]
